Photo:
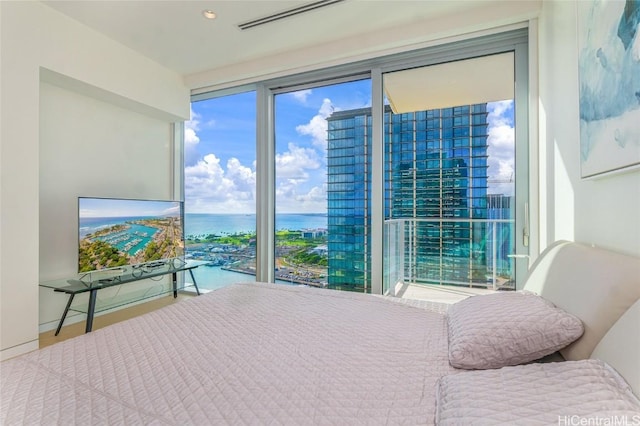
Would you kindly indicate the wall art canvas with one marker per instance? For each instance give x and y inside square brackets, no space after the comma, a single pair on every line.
[609,76]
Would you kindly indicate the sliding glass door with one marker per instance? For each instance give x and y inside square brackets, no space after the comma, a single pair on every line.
[450,174]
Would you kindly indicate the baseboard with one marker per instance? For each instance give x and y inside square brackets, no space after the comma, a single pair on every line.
[52,325]
[19,350]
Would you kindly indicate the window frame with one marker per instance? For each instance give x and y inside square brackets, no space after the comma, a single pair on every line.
[373,69]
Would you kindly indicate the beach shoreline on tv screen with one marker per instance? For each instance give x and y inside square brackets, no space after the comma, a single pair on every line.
[115,233]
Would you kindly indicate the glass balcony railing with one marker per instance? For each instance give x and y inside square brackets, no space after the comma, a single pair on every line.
[449,251]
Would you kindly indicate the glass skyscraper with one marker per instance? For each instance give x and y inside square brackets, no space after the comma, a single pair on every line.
[349,199]
[435,175]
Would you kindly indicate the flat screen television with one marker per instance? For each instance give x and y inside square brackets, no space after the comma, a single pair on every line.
[116,232]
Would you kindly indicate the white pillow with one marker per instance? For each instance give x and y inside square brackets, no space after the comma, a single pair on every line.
[507,328]
[571,392]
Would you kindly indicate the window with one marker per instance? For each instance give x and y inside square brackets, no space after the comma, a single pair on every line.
[220,188]
[333,162]
[322,186]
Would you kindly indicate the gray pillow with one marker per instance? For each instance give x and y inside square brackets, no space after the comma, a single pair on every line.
[507,328]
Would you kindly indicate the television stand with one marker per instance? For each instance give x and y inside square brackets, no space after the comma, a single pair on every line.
[83,285]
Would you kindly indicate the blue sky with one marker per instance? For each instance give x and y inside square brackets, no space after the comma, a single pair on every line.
[106,207]
[220,151]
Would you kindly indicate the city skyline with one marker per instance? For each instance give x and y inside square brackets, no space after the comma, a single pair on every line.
[435,168]
[220,168]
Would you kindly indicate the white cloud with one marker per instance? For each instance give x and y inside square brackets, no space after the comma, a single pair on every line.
[497,110]
[301,172]
[290,198]
[286,189]
[501,149]
[317,126]
[191,139]
[317,194]
[209,188]
[243,177]
[301,95]
[501,136]
[294,163]
[297,171]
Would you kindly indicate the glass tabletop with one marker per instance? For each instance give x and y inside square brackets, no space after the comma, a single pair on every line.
[110,277]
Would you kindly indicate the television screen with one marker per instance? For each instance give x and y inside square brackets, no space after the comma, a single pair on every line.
[117,232]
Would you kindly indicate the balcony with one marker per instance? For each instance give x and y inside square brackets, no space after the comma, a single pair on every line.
[447,258]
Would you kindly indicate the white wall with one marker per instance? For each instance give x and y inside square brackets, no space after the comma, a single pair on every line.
[89,147]
[602,212]
[35,41]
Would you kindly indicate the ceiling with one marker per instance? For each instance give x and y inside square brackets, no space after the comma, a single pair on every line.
[176,35]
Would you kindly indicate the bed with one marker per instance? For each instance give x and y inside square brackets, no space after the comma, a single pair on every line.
[257,353]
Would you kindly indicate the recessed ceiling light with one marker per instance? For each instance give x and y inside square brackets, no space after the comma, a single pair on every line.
[209,14]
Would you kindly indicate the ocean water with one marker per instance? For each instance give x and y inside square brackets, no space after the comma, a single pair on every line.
[213,277]
[203,224]
[89,225]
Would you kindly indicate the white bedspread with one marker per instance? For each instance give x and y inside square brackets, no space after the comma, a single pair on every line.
[244,354]
[586,392]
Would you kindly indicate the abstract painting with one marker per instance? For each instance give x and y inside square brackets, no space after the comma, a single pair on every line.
[609,77]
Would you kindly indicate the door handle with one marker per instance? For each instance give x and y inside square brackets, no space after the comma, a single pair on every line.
[525,229]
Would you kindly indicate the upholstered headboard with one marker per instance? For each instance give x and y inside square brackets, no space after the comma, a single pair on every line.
[620,347]
[596,285]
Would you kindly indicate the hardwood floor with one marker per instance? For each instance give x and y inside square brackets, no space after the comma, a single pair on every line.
[48,338]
